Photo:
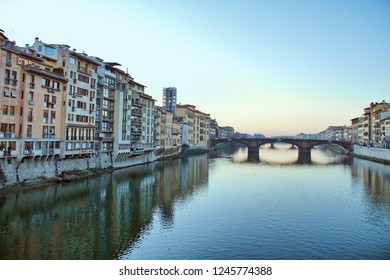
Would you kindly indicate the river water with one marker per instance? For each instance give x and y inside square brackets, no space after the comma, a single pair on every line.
[218,206]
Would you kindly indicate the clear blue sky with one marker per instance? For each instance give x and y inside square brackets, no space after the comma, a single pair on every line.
[271,67]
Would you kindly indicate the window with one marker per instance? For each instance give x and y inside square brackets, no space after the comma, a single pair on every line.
[31,98]
[12,110]
[72,60]
[83,78]
[45,116]
[6,92]
[7,78]
[46,100]
[14,79]
[45,82]
[5,110]
[56,85]
[49,51]
[53,101]
[52,117]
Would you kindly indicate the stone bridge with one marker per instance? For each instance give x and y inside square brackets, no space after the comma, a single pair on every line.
[304,145]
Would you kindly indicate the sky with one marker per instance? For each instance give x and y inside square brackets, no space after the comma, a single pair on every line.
[272,67]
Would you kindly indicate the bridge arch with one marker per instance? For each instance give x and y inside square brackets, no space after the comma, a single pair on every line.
[303,145]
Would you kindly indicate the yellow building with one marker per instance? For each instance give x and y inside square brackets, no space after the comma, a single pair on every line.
[32,103]
[197,134]
[79,112]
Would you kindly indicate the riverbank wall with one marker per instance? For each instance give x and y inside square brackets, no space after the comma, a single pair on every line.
[373,154]
[14,171]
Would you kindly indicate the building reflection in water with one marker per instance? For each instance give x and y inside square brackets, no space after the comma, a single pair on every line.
[282,154]
[374,177]
[97,218]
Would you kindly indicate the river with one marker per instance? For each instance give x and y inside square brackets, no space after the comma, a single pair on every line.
[218,206]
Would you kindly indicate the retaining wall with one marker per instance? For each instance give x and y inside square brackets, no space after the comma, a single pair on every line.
[373,153]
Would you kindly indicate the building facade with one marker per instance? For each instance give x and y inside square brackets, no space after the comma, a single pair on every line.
[170,99]
[198,126]
[79,113]
[33,90]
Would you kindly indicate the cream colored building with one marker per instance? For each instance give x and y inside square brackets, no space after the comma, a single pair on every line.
[80,99]
[32,103]
[198,126]
[167,130]
[142,118]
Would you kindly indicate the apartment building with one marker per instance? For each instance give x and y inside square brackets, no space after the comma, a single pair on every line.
[385,127]
[196,135]
[167,130]
[80,99]
[105,106]
[371,125]
[170,99]
[122,117]
[33,90]
[142,118]
[335,133]
[226,132]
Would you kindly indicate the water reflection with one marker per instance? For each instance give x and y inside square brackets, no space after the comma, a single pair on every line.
[281,153]
[97,218]
[198,208]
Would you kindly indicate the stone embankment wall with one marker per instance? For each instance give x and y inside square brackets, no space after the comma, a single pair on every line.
[375,154]
[14,170]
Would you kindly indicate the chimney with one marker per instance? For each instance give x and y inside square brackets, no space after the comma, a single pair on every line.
[36,39]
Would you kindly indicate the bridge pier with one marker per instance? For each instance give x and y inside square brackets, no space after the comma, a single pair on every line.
[253,154]
[272,146]
[304,156]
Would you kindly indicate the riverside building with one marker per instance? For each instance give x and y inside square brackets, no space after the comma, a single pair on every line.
[79,102]
[195,127]
[33,90]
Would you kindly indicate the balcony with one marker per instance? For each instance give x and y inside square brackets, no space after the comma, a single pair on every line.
[7,135]
[136,122]
[109,96]
[84,70]
[136,112]
[48,135]
[28,152]
[108,119]
[137,103]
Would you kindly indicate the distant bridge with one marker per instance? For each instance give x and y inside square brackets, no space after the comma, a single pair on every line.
[304,145]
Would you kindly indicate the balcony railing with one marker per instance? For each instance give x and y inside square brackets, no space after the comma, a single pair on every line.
[7,135]
[48,135]
[84,70]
